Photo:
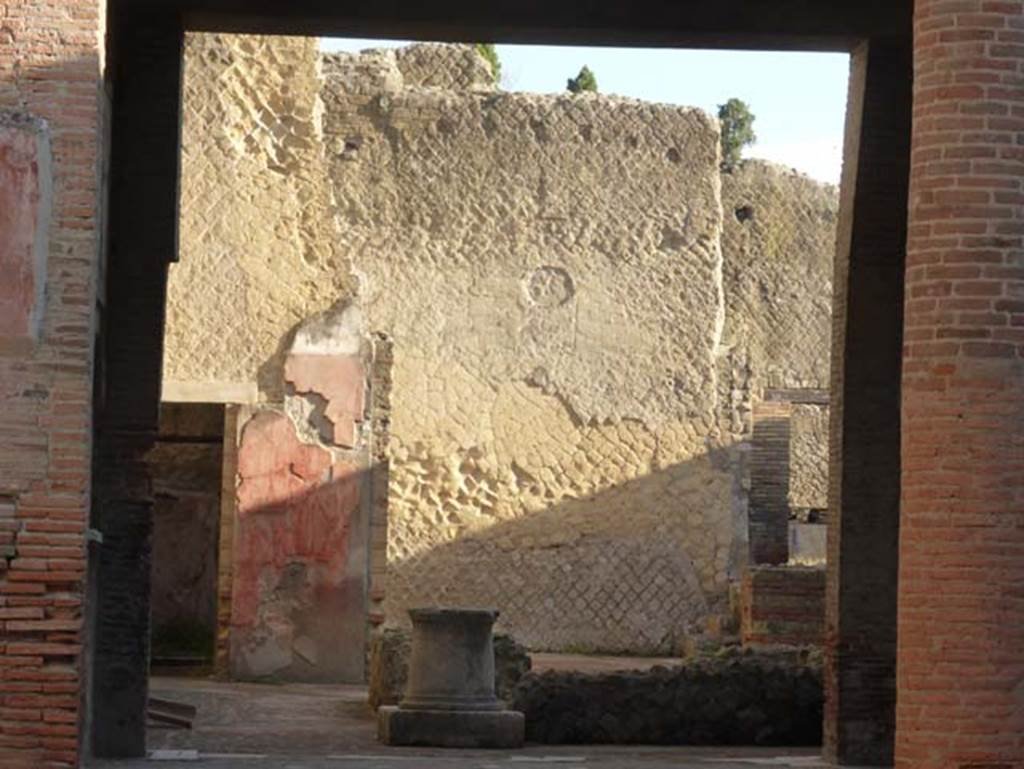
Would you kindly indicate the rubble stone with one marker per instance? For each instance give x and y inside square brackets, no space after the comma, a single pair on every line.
[737,698]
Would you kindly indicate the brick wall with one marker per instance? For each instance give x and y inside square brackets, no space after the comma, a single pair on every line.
[49,69]
[769,484]
[782,605]
[961,615]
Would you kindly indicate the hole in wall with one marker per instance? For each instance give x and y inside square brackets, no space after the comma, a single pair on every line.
[351,147]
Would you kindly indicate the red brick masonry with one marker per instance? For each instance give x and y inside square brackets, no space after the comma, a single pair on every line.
[961,601]
[783,605]
[49,71]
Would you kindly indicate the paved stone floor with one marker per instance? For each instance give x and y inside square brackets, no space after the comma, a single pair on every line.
[302,726]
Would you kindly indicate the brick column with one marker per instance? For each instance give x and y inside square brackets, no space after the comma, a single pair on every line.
[961,591]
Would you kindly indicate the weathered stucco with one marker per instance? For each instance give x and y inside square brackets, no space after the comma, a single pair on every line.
[779,240]
[296,605]
[808,458]
[559,435]
[258,247]
[551,391]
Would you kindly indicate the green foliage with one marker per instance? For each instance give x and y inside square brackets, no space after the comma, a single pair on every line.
[585,81]
[489,52]
[737,130]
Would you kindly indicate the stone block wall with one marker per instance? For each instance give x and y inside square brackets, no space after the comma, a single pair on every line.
[452,68]
[778,242]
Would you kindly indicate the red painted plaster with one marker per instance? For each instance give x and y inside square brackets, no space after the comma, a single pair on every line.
[341,380]
[19,216]
[294,506]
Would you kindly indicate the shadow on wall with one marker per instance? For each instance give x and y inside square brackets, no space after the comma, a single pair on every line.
[186,514]
[580,575]
[589,574]
[270,374]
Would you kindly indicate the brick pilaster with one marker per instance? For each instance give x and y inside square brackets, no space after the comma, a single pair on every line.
[860,634]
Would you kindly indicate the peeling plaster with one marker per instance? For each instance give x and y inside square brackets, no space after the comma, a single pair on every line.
[26,198]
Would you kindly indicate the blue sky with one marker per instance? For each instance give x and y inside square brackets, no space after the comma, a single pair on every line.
[799,98]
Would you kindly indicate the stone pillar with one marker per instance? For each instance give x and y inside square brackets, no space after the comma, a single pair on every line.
[451,666]
[449,700]
[864,455]
[961,589]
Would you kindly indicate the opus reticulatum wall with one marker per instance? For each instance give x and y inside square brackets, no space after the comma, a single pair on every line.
[572,355]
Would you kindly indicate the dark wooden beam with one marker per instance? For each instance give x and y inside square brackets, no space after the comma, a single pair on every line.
[754,24]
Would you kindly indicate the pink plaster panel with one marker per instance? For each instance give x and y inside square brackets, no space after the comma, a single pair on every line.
[24,219]
[340,380]
[295,506]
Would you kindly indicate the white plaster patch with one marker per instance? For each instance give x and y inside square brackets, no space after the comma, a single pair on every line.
[336,332]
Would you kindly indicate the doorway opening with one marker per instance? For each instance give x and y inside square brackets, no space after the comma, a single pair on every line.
[473,346]
[187,470]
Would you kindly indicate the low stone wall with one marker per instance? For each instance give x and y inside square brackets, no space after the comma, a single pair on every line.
[783,605]
[741,698]
[389,666]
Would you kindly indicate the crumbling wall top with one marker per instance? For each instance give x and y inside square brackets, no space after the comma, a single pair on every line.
[442,66]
